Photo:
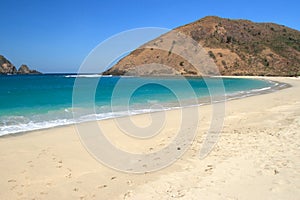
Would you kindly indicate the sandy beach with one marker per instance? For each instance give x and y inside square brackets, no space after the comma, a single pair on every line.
[256,157]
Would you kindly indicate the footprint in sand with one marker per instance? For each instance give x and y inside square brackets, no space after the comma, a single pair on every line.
[129,183]
[43,152]
[43,193]
[209,168]
[69,175]
[101,186]
[48,184]
[127,195]
[13,187]
[82,197]
[177,194]
[30,163]
[59,164]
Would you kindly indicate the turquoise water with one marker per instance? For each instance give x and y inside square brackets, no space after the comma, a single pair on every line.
[41,101]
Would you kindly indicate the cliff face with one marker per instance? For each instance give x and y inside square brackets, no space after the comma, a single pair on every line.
[6,67]
[237,47]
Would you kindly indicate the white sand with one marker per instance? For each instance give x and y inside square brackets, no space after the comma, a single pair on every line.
[257,157]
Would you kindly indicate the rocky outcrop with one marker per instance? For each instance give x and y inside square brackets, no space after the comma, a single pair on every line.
[237,47]
[24,69]
[6,67]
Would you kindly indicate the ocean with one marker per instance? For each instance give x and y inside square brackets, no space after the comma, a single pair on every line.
[32,102]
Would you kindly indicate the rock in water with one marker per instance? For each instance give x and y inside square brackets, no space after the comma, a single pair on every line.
[24,69]
[6,67]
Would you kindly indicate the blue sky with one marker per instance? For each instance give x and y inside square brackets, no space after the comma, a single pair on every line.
[56,36]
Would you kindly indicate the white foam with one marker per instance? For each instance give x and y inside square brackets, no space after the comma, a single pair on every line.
[87,76]
[31,126]
[261,89]
[25,125]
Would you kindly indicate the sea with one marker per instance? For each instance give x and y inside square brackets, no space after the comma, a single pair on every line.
[33,102]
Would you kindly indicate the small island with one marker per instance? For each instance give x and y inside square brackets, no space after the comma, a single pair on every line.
[7,68]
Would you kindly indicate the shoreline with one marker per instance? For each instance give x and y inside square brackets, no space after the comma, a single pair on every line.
[257,156]
[201,102]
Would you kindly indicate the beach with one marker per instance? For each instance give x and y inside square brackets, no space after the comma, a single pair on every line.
[256,157]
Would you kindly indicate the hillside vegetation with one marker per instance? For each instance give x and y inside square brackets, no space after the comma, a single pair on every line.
[237,47]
